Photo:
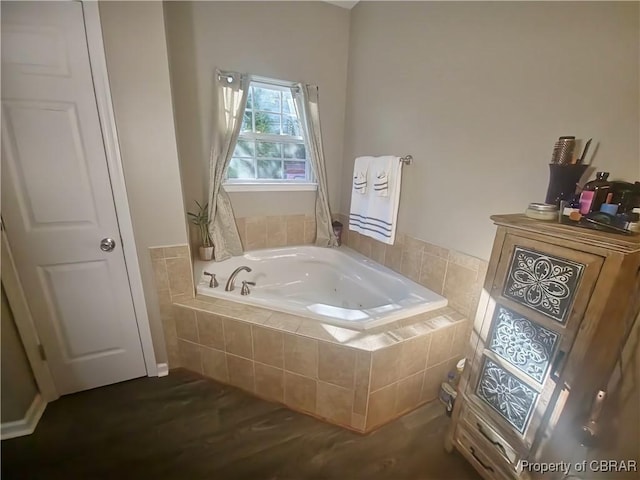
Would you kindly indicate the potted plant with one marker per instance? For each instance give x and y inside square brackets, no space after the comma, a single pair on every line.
[201,220]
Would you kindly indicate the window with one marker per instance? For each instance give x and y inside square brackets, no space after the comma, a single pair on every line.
[271,146]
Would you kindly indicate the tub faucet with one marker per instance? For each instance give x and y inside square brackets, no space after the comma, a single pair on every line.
[230,285]
[213,283]
[245,287]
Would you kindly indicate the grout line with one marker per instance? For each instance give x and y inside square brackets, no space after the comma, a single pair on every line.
[444,277]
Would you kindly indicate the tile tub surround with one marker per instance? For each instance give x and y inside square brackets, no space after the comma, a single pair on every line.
[276,231]
[457,276]
[173,275]
[355,379]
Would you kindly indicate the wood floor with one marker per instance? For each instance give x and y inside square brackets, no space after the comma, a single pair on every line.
[187,427]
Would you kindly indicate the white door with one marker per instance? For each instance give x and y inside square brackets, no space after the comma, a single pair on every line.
[57,203]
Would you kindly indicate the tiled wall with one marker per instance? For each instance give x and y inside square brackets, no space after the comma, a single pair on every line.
[276,231]
[352,387]
[173,274]
[457,276]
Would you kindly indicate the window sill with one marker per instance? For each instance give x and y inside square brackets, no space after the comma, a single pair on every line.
[270,187]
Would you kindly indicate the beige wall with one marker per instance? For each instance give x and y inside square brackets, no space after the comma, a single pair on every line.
[297,41]
[18,385]
[136,53]
[478,93]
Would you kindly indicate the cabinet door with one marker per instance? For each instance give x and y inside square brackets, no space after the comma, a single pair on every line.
[538,297]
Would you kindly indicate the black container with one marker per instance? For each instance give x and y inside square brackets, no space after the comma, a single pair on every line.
[625,195]
[562,181]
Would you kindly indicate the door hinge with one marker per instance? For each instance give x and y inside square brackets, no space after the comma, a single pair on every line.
[43,356]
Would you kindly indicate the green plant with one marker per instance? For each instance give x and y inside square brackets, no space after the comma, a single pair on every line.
[201,220]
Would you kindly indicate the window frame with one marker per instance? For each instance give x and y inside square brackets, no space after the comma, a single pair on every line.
[266,184]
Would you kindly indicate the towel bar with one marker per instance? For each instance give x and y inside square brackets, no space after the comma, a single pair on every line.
[406,159]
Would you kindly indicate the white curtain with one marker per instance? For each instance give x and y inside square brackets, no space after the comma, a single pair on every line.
[306,102]
[230,99]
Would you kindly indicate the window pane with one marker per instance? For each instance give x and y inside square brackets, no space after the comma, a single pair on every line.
[246,122]
[270,169]
[287,103]
[244,148]
[295,170]
[250,98]
[241,168]
[268,100]
[267,123]
[290,126]
[269,149]
[294,150]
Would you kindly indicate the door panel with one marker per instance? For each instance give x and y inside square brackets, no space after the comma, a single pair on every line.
[35,49]
[46,199]
[57,200]
[84,324]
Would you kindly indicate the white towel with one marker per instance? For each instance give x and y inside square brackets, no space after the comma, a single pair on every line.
[360,174]
[381,183]
[376,215]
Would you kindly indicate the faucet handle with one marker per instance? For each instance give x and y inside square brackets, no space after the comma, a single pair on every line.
[213,283]
[245,287]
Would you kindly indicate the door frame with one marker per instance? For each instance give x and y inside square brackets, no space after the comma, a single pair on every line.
[98,62]
[15,294]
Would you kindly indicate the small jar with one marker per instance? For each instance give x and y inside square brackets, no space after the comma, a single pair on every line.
[542,211]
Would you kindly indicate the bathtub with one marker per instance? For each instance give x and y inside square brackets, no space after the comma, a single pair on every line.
[333,285]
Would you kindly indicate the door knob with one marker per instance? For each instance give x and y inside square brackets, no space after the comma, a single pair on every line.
[107,244]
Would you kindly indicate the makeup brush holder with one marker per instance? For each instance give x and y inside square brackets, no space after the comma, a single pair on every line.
[563,179]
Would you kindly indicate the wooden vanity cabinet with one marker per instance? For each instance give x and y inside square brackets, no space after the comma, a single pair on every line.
[557,305]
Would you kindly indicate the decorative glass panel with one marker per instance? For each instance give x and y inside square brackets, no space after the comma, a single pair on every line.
[507,395]
[524,344]
[544,283]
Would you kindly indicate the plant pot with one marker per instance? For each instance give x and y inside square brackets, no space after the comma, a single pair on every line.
[206,253]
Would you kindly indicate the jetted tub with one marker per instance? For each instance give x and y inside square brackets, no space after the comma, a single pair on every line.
[334,285]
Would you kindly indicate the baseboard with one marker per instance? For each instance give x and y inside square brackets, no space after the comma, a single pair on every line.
[28,424]
[163,369]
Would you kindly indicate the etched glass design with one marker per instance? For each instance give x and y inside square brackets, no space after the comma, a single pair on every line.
[544,283]
[524,344]
[507,395]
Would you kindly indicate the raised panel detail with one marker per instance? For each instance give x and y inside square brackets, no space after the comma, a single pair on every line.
[86,325]
[542,282]
[524,344]
[44,169]
[507,395]
[35,50]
